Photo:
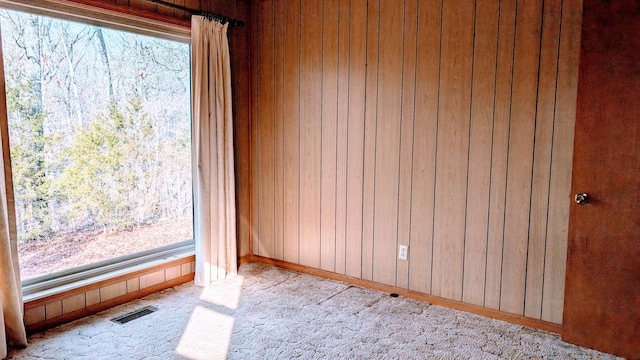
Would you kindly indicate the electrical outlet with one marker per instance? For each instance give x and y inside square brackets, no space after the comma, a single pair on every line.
[403,252]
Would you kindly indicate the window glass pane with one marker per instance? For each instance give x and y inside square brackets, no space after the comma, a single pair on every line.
[99,125]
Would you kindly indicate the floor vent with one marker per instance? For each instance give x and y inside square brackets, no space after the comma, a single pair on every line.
[134,315]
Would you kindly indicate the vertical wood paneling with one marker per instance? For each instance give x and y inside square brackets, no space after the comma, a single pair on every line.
[452,151]
[480,141]
[310,131]
[424,144]
[387,146]
[355,136]
[219,7]
[520,156]
[278,97]
[344,14]
[242,119]
[499,150]
[255,159]
[435,124]
[370,135]
[406,137]
[240,161]
[329,134]
[193,4]
[560,187]
[291,109]
[266,130]
[542,157]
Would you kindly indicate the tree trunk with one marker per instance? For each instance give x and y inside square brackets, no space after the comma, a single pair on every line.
[105,58]
[75,102]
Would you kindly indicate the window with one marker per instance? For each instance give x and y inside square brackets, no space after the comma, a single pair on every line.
[100,134]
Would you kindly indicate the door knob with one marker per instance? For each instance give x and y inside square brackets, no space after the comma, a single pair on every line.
[582,198]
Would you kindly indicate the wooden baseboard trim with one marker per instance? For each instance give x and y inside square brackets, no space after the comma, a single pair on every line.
[435,300]
[90,310]
[245,259]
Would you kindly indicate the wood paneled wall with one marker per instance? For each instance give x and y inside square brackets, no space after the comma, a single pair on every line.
[239,46]
[445,125]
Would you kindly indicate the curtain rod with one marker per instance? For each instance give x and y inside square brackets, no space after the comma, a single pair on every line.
[211,16]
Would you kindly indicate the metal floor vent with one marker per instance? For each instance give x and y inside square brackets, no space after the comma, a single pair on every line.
[134,315]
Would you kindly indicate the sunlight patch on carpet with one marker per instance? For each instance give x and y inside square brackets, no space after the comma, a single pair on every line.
[224,292]
[207,335]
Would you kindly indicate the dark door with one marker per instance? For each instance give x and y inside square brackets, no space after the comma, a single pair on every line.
[602,293]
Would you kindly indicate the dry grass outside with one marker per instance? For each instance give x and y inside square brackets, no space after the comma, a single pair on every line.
[46,255]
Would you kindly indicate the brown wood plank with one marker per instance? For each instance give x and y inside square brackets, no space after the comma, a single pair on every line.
[406,137]
[233,54]
[228,7]
[291,179]
[310,132]
[344,14]
[422,182]
[329,134]
[166,11]
[219,6]
[542,157]
[266,129]
[506,33]
[452,148]
[368,193]
[192,4]
[480,141]
[278,97]
[387,150]
[242,122]
[562,162]
[520,156]
[355,137]
[255,154]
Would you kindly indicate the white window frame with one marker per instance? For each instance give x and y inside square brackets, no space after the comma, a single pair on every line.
[45,285]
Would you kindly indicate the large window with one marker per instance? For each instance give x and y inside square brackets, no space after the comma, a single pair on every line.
[99,126]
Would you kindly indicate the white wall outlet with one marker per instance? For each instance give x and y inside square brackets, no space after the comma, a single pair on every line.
[403,252]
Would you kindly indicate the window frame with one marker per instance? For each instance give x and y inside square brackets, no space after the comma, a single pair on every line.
[81,13]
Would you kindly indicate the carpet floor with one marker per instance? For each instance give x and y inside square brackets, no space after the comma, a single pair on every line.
[270,313]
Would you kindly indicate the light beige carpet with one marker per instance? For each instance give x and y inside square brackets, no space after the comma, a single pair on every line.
[270,313]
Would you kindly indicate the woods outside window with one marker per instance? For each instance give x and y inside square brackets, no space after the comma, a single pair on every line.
[100,133]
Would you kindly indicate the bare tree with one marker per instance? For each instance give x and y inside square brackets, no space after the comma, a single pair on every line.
[105,58]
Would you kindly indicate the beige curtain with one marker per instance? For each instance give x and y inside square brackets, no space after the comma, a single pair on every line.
[12,331]
[214,179]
